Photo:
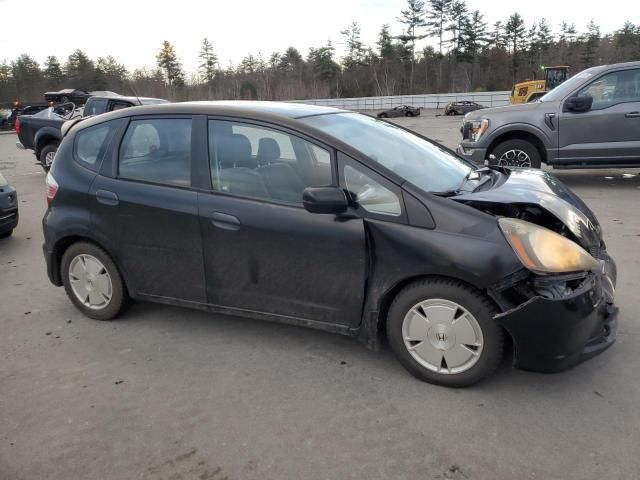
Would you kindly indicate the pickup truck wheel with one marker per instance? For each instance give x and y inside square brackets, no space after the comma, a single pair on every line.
[47,155]
[517,153]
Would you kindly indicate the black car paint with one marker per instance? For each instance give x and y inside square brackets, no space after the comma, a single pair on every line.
[8,207]
[68,95]
[332,272]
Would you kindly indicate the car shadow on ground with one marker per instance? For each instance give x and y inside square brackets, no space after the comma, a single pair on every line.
[602,179]
[327,350]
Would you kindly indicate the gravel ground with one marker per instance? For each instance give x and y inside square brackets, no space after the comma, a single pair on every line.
[167,393]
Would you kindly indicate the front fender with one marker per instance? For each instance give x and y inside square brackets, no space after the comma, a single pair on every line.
[518,127]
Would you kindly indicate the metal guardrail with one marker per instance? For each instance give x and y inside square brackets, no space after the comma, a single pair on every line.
[436,101]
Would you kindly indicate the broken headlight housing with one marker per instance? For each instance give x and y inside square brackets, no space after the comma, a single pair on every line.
[543,251]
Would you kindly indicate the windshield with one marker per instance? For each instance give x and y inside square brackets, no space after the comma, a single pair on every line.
[565,88]
[416,160]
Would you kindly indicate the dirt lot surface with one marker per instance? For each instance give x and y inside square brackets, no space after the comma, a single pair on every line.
[167,393]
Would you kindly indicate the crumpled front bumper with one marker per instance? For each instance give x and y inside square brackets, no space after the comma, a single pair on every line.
[550,335]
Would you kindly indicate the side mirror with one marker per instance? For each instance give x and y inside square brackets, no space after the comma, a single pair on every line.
[324,200]
[578,104]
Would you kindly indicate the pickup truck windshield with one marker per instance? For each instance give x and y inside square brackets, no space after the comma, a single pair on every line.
[416,160]
[565,88]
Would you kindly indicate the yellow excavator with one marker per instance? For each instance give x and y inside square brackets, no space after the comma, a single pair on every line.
[531,90]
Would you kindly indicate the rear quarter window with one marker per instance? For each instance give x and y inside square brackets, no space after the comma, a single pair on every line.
[91,144]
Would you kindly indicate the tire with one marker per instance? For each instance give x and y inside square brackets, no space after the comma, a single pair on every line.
[409,114]
[504,149]
[447,300]
[383,115]
[71,266]
[6,234]
[49,150]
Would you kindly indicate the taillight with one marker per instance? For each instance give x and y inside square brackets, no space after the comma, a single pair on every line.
[52,188]
[18,125]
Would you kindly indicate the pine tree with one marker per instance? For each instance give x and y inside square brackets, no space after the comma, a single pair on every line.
[385,43]
[168,62]
[438,15]
[80,70]
[209,61]
[414,20]
[590,42]
[356,53]
[458,17]
[52,70]
[291,60]
[515,32]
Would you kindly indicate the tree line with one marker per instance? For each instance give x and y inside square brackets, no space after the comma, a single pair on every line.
[465,54]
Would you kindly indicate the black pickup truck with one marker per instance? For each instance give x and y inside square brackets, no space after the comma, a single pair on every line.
[42,132]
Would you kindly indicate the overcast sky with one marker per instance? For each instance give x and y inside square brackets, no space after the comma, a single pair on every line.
[133,30]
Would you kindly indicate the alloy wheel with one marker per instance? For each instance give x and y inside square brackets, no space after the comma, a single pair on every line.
[90,281]
[442,336]
[515,158]
[48,159]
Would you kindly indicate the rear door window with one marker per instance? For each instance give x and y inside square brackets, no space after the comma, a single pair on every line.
[157,151]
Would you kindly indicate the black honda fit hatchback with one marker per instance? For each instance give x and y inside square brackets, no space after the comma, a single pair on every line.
[329,219]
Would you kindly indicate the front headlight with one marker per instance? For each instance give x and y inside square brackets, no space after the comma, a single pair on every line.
[478,128]
[544,251]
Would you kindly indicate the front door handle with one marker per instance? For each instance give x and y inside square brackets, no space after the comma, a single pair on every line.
[107,198]
[632,115]
[225,221]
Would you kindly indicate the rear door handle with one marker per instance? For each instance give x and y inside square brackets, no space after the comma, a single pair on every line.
[107,198]
[632,115]
[225,221]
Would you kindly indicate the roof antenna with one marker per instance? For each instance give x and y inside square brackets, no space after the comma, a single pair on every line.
[134,91]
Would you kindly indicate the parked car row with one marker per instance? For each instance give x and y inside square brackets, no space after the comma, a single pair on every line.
[42,133]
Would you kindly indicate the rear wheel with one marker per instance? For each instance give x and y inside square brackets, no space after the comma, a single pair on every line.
[409,114]
[47,154]
[6,234]
[383,115]
[443,332]
[92,281]
[517,153]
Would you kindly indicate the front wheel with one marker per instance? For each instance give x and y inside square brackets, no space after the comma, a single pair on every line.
[443,332]
[409,114]
[517,153]
[47,154]
[92,281]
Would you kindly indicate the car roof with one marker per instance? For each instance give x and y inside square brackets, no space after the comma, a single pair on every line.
[258,110]
[134,100]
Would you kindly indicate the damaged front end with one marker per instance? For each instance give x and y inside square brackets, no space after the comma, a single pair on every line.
[556,317]
[557,321]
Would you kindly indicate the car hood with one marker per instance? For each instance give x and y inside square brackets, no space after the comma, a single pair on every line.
[535,187]
[489,112]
